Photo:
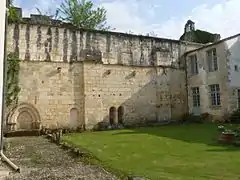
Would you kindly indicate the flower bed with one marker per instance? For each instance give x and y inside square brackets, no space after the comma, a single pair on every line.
[230,135]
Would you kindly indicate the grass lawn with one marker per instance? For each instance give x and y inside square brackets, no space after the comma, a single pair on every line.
[168,152]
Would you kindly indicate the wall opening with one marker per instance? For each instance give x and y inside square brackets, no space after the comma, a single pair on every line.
[74,118]
[25,120]
[24,117]
[120,114]
[112,115]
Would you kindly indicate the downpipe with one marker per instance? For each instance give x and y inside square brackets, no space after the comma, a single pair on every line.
[3,157]
[9,162]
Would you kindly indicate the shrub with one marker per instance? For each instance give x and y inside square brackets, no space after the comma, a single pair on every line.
[205,116]
[235,117]
[190,118]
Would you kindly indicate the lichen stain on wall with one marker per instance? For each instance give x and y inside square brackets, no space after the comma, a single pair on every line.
[70,69]
[77,45]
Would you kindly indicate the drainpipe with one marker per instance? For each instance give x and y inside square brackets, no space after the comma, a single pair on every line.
[4,51]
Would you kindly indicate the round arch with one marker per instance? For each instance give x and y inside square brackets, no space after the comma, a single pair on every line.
[120,114]
[74,118]
[25,117]
[112,115]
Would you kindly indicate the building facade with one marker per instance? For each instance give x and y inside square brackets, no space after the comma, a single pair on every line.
[213,77]
[74,78]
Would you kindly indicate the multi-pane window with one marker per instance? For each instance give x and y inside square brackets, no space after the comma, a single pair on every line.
[212,60]
[193,64]
[238,98]
[196,97]
[215,94]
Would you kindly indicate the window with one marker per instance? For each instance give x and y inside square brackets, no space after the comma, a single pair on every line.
[238,98]
[196,96]
[235,67]
[212,60]
[215,95]
[194,64]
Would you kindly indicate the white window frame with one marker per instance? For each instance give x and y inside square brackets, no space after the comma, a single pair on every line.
[196,96]
[215,98]
[193,65]
[212,61]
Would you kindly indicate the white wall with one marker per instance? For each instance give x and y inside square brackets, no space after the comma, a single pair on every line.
[233,46]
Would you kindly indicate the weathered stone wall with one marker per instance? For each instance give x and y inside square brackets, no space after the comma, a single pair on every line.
[145,93]
[62,44]
[72,77]
[54,93]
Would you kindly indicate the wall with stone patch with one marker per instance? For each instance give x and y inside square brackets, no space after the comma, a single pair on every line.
[53,93]
[143,92]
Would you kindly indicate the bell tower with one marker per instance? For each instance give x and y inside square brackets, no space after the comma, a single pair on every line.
[189,26]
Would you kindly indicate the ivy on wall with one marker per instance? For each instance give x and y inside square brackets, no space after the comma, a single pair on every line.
[12,80]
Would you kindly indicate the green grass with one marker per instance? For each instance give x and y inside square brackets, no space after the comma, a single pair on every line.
[169,152]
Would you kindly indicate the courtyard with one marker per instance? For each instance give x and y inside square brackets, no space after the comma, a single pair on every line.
[40,159]
[188,151]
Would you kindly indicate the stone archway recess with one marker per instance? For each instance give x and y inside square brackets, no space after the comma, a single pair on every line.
[74,118]
[120,114]
[24,117]
[113,116]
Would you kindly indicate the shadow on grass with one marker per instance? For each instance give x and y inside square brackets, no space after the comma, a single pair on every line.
[190,133]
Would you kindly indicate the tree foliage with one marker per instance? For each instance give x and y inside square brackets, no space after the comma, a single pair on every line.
[82,14]
[12,13]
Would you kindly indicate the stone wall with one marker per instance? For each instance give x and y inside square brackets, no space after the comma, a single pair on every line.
[53,91]
[67,44]
[72,77]
[147,94]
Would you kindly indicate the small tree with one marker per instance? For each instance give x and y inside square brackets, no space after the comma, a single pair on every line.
[12,13]
[82,14]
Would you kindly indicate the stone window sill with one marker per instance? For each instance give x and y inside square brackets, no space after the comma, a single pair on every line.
[216,107]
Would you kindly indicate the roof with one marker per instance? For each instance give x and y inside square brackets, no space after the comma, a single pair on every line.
[214,43]
[199,36]
[190,22]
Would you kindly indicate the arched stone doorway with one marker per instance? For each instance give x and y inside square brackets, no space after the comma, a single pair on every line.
[112,115]
[25,120]
[74,118]
[120,114]
[24,117]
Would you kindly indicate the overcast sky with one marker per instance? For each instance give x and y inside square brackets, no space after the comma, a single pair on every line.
[165,17]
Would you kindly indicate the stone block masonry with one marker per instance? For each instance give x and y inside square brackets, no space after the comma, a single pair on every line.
[145,93]
[53,91]
[72,77]
[62,43]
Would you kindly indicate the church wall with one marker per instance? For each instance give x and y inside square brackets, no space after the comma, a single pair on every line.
[64,75]
[147,94]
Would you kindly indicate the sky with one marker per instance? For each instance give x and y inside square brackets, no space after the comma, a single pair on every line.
[166,18]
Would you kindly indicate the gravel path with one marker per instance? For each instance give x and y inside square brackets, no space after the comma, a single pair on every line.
[39,159]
